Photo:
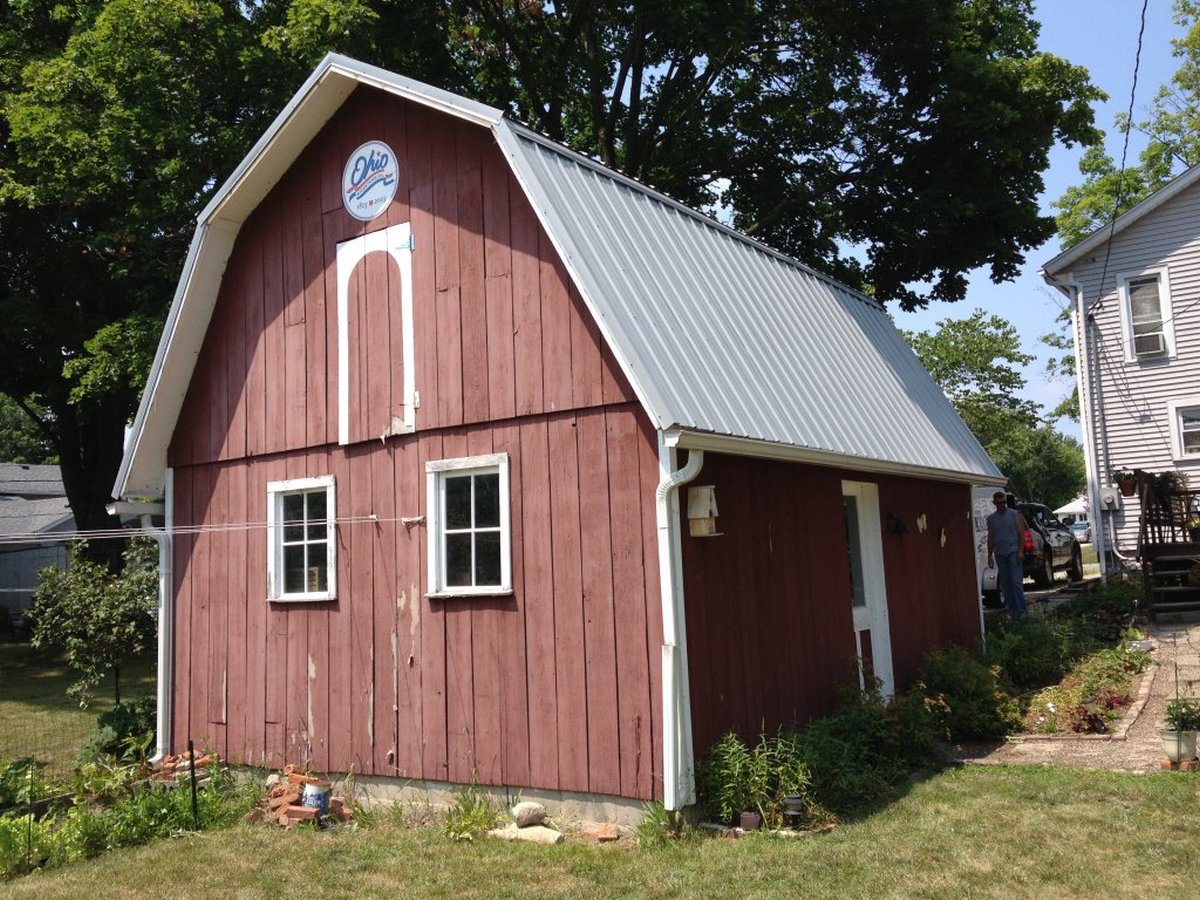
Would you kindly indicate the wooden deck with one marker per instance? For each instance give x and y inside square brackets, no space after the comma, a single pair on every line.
[1170,556]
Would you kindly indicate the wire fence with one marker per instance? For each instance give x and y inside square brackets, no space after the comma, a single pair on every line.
[40,720]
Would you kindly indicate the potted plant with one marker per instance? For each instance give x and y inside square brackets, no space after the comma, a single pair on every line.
[1193,527]
[1125,480]
[1181,724]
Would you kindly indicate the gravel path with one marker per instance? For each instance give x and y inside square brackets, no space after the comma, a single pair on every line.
[1134,745]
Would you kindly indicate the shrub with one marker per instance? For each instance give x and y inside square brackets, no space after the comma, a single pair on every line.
[860,752]
[1027,651]
[126,732]
[737,778]
[970,702]
[97,618]
[133,817]
[471,814]
[21,781]
[658,825]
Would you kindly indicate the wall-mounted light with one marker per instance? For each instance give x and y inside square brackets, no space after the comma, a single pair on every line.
[702,510]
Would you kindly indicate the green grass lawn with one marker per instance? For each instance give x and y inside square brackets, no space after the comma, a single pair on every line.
[38,719]
[981,831]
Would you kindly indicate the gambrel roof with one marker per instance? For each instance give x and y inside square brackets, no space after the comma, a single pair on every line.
[727,344]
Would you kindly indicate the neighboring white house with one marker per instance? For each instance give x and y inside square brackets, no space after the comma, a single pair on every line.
[33,507]
[1135,290]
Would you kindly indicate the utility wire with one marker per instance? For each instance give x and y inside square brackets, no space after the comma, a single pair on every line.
[25,538]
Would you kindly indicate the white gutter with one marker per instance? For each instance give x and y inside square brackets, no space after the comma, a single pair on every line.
[166,614]
[1083,386]
[679,779]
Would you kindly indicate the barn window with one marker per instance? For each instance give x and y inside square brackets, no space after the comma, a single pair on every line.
[469,541]
[301,549]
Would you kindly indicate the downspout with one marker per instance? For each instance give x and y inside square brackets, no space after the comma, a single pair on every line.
[1083,384]
[679,781]
[166,615]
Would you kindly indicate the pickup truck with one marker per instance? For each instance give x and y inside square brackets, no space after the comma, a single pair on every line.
[1050,546]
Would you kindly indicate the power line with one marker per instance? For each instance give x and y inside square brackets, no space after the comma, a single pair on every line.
[26,538]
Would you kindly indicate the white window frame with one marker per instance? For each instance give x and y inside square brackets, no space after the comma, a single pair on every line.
[436,474]
[1164,303]
[276,491]
[1175,410]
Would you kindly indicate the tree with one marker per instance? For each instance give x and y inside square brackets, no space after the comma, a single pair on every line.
[1041,464]
[977,363]
[1173,143]
[98,619]
[915,133]
[20,439]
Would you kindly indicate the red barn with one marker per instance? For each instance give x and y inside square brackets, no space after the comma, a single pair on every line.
[479,459]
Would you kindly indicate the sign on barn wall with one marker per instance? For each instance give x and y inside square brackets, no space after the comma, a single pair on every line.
[369,180]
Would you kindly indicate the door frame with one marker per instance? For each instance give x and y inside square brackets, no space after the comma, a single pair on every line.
[874,579]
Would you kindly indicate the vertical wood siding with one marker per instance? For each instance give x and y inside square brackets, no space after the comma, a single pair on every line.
[550,687]
[768,601]
[498,329]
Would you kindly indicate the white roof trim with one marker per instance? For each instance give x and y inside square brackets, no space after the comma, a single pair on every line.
[1098,237]
[145,460]
[737,446]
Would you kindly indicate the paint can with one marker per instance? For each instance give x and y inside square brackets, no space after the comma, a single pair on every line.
[316,796]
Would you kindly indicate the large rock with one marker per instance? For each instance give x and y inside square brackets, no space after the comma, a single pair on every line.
[538,834]
[529,812]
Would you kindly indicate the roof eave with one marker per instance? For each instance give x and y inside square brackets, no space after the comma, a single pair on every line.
[736,446]
[1098,237]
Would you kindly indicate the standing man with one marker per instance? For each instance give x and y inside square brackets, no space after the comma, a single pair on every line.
[1005,528]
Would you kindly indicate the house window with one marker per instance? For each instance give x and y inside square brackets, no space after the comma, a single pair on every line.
[301,549]
[469,540]
[1146,314]
[1185,426]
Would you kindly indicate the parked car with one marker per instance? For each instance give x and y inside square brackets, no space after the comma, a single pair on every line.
[1049,546]
[1083,531]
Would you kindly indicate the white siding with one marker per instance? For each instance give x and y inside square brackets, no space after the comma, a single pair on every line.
[1132,427]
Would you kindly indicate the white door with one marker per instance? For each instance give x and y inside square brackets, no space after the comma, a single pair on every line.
[868,588]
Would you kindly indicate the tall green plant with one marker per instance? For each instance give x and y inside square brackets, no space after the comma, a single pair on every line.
[98,619]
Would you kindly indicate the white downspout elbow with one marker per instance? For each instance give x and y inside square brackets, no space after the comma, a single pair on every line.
[678,763]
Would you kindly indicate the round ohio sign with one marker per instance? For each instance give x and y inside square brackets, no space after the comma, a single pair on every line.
[369,180]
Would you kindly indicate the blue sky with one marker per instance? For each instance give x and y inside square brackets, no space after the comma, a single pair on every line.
[1100,35]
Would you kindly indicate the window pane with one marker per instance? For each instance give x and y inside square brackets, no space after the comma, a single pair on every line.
[316,505]
[293,570]
[487,558]
[458,502]
[1144,305]
[458,560]
[1189,428]
[487,500]
[858,595]
[293,533]
[318,568]
[293,507]
[316,530]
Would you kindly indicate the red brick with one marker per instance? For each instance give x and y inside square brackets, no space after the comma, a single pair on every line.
[301,813]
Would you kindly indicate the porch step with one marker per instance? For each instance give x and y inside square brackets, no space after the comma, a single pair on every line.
[1176,613]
